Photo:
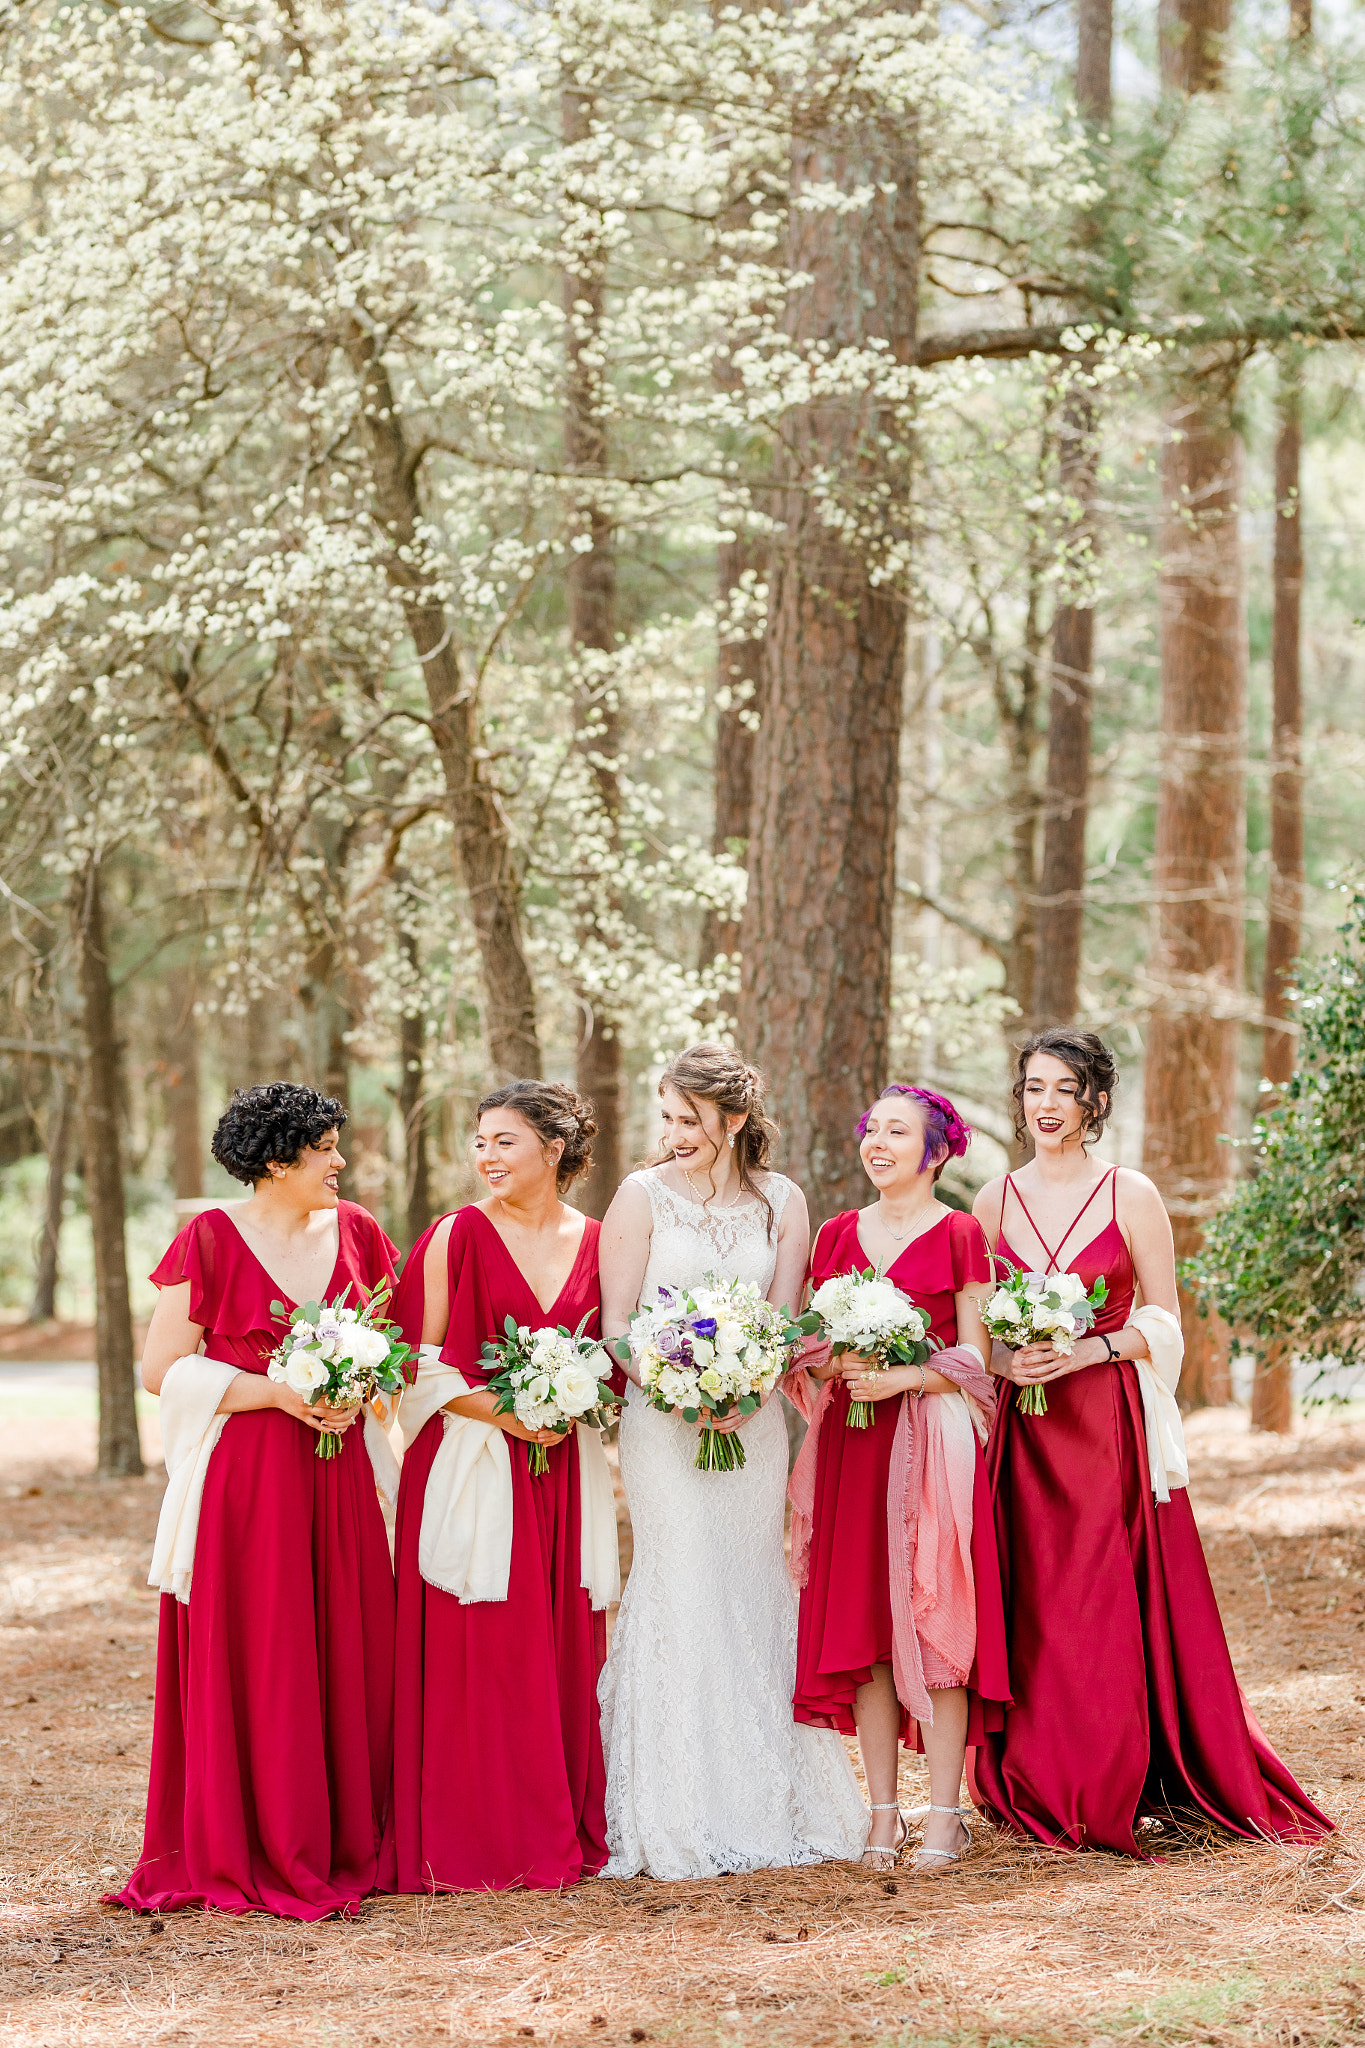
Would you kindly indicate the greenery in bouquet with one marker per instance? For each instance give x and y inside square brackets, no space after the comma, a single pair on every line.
[549,1378]
[1041,1308]
[339,1355]
[712,1352]
[864,1312]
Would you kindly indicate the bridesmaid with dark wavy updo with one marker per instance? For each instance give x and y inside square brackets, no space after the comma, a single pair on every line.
[1126,1705]
[272,1741]
[499,1778]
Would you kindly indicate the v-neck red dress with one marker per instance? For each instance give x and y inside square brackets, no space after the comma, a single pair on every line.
[1125,1700]
[844,1626]
[272,1738]
[499,1777]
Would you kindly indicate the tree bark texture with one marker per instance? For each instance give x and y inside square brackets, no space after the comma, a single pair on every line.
[591,605]
[1066,801]
[60,1131]
[1197,963]
[1196,967]
[1272,1391]
[1284,906]
[180,1086]
[739,693]
[412,1101]
[484,853]
[816,933]
[120,1454]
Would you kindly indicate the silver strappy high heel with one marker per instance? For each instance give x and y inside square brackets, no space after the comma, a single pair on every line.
[933,1862]
[891,1854]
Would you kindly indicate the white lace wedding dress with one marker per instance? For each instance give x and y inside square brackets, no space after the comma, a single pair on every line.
[706,1769]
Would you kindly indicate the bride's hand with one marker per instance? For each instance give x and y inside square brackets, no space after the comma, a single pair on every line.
[512,1427]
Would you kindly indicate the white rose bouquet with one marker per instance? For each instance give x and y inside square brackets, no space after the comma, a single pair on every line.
[343,1356]
[720,1347]
[864,1312]
[1042,1308]
[549,1379]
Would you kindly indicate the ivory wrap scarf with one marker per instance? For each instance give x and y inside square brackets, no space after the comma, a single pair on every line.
[190,1428]
[928,1514]
[465,1545]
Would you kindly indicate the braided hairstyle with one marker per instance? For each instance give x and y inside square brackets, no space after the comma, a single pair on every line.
[553,1110]
[715,1074]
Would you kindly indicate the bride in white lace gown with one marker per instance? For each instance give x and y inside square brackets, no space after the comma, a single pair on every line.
[707,1771]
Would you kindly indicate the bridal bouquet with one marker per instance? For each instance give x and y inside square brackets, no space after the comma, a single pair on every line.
[1042,1308]
[865,1313]
[343,1356]
[549,1379]
[719,1347]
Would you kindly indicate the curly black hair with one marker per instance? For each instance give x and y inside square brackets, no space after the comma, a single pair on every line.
[271,1125]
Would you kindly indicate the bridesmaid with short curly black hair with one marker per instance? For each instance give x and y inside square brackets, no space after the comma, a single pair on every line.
[272,1743]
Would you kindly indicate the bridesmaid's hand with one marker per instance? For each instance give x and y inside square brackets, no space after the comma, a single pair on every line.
[547,1437]
[335,1421]
[1036,1364]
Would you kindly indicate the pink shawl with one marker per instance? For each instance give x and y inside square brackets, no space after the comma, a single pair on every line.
[928,1515]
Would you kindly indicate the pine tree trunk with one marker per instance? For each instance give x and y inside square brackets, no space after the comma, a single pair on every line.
[412,1100]
[60,1131]
[1066,802]
[1197,965]
[484,853]
[180,1087]
[739,699]
[120,1454]
[1196,968]
[1272,1389]
[816,934]
[591,606]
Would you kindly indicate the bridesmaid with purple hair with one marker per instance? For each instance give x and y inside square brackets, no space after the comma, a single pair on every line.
[901,1635]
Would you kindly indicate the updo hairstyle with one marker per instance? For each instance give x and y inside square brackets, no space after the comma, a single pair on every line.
[1089,1059]
[553,1110]
[715,1074]
[270,1125]
[946,1134]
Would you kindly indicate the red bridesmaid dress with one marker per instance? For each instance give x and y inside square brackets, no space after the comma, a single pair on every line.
[845,1625]
[272,1738]
[1126,1704]
[499,1777]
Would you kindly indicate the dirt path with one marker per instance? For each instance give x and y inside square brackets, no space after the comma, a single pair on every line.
[1219,1943]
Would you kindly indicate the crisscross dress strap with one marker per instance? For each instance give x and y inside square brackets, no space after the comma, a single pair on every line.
[1053,1257]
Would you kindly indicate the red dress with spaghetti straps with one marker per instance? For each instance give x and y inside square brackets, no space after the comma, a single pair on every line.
[498,1777]
[1125,1701]
[844,1626]
[272,1739]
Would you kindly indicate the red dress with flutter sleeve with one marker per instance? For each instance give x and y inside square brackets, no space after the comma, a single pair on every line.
[1126,1702]
[272,1739]
[499,1777]
[845,1623]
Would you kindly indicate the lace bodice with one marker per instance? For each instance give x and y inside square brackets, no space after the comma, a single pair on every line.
[689,1241]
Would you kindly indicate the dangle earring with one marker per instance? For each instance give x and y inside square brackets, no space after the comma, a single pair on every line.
[732,1141]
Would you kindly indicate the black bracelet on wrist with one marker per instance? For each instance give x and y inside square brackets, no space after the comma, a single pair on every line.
[1110,1355]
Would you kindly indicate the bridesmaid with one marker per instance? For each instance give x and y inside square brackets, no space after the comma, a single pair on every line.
[499,1777]
[272,1739]
[853,1670]
[1126,1705]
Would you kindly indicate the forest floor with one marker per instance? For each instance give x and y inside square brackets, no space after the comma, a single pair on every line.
[1218,1942]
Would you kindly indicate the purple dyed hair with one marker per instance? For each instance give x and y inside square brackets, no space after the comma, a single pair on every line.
[946,1136]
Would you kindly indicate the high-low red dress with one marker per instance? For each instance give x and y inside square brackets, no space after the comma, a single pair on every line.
[272,1737]
[499,1777]
[1125,1700]
[845,1623]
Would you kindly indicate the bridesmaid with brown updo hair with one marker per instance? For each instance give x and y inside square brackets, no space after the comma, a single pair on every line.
[499,1778]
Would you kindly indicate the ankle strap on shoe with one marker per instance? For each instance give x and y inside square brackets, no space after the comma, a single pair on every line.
[953,1809]
[890,1806]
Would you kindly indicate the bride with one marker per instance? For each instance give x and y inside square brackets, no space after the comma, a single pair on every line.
[707,1771]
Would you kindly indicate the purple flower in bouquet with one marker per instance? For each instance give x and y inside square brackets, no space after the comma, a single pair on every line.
[704,1326]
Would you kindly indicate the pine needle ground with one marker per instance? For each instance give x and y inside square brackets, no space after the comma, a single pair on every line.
[1216,1942]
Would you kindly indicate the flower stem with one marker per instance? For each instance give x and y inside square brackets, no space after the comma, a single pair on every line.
[1032,1401]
